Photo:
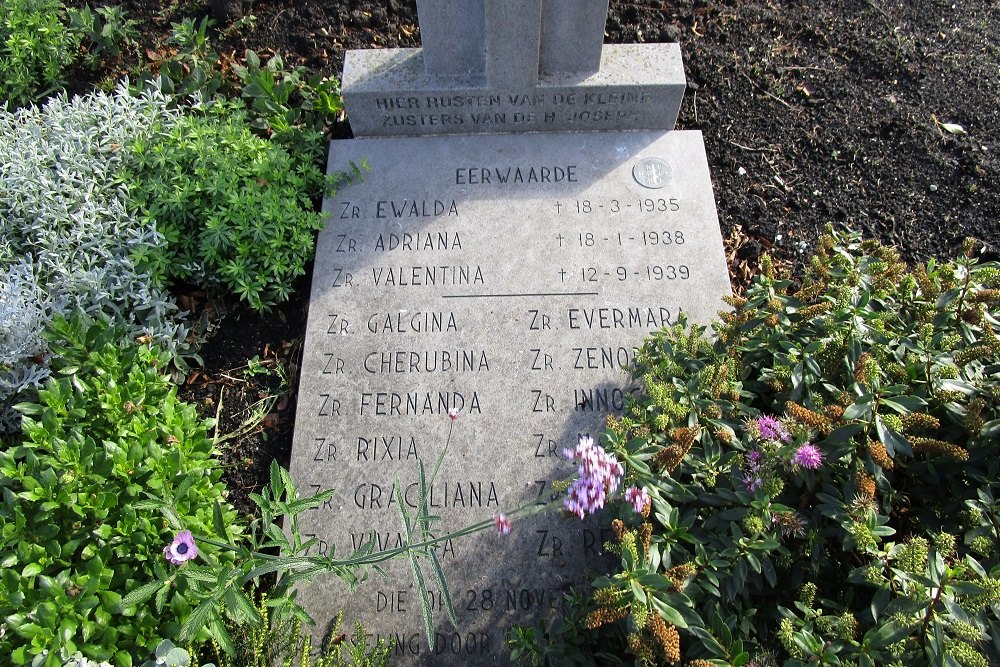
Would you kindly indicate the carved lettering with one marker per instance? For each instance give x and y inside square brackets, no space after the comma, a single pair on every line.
[415,208]
[545,447]
[539,321]
[428,361]
[330,406]
[426,276]
[404,322]
[418,241]
[515,174]
[464,495]
[455,643]
[618,318]
[416,403]
[600,358]
[325,451]
[394,601]
[602,399]
[387,448]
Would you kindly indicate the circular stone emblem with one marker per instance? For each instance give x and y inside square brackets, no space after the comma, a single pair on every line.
[651,172]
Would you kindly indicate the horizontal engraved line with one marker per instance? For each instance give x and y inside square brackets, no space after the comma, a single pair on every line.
[516,294]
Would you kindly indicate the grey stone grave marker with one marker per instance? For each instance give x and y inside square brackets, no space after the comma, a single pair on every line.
[505,275]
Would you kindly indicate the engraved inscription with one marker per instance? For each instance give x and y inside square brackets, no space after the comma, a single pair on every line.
[426,276]
[427,361]
[404,322]
[415,208]
[395,404]
[469,494]
[418,241]
[531,108]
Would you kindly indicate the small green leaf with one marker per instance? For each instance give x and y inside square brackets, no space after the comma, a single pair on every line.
[904,404]
[141,594]
[443,589]
[218,521]
[197,620]
[858,410]
[669,614]
[637,592]
[425,605]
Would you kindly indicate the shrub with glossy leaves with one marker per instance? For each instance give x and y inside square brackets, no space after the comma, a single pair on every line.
[823,473]
[106,430]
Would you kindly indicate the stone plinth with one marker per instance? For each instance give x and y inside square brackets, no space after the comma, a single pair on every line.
[387,92]
[509,278]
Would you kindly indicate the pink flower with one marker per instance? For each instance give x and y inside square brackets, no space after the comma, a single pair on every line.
[181,549]
[769,428]
[639,498]
[600,474]
[453,414]
[808,456]
[502,523]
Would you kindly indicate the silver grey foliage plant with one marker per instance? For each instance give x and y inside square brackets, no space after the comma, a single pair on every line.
[66,236]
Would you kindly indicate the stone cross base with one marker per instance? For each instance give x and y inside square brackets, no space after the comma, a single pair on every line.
[388,92]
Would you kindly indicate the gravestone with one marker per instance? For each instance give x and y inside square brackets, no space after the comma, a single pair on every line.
[499,277]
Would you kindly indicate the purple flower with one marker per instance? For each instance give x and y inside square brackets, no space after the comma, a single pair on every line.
[181,549]
[600,473]
[808,456]
[769,428]
[752,483]
[502,523]
[639,498]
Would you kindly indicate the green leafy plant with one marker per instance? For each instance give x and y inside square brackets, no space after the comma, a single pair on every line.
[565,640]
[105,32]
[235,210]
[35,49]
[106,429]
[821,475]
[291,105]
[286,642]
[193,67]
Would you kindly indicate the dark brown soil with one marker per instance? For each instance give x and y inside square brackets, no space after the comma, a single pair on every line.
[844,112]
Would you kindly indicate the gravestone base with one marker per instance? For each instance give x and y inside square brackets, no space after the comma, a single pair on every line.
[387,92]
[507,278]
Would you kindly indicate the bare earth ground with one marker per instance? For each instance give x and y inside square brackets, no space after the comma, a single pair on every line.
[880,114]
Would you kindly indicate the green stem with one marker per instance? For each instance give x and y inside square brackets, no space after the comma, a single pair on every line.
[377,557]
[930,613]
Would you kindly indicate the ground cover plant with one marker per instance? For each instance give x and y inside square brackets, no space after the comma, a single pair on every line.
[70,240]
[235,210]
[818,483]
[106,431]
[36,47]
